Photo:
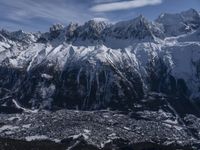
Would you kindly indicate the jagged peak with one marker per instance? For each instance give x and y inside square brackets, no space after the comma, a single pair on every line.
[140,18]
[71,27]
[2,38]
[179,23]
[72,24]
[97,28]
[138,28]
[134,21]
[168,17]
[20,35]
[4,31]
[91,30]
[182,16]
[18,32]
[56,27]
[95,25]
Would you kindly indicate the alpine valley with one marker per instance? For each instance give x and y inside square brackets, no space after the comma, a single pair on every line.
[130,85]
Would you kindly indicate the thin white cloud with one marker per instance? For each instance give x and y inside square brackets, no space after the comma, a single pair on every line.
[59,11]
[105,1]
[124,5]
[101,19]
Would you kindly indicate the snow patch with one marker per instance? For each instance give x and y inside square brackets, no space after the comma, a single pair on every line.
[46,76]
[26,126]
[36,137]
[8,127]
[24,109]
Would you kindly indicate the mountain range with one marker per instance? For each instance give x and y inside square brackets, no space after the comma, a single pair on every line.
[101,65]
[103,84]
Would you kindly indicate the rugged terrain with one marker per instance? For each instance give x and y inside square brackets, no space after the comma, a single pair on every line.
[148,70]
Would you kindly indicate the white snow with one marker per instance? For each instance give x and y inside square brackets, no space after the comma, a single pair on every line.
[26,125]
[36,137]
[46,76]
[38,48]
[171,121]
[71,147]
[13,118]
[85,136]
[113,136]
[178,128]
[8,128]
[24,109]
[87,131]
[105,142]
[76,136]
[127,128]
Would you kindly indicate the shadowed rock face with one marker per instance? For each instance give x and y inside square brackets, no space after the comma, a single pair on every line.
[96,89]
[83,87]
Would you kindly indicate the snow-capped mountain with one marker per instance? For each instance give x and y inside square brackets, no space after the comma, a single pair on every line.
[101,65]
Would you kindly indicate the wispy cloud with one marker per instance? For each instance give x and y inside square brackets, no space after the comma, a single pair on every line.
[47,9]
[123,5]
[105,1]
[34,13]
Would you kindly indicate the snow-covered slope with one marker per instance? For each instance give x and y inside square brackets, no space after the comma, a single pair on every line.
[100,65]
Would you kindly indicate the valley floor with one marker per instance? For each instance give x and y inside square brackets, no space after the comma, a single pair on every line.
[70,129]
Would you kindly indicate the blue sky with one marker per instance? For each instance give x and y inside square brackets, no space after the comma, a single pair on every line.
[35,15]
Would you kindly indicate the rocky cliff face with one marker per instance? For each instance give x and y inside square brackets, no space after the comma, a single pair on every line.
[99,65]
